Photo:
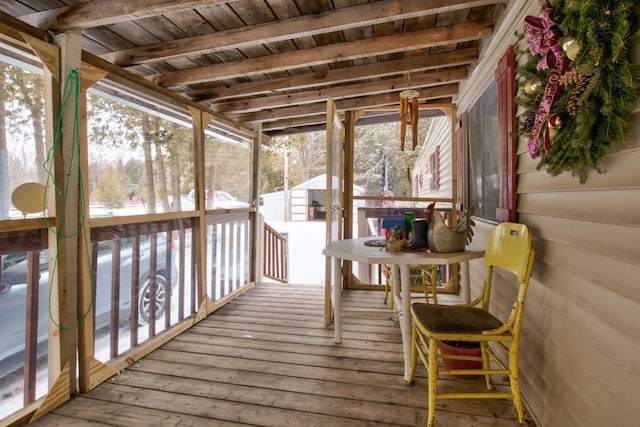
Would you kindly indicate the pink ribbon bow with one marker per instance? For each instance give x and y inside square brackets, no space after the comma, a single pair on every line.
[543,37]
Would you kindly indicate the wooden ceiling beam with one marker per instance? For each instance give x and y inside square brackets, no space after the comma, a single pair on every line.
[301,26]
[344,91]
[95,13]
[328,54]
[296,122]
[340,75]
[359,103]
[315,123]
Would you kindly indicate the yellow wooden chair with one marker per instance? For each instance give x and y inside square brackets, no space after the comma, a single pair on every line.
[509,248]
[425,275]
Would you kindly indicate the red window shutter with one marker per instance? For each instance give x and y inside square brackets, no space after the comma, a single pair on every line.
[505,77]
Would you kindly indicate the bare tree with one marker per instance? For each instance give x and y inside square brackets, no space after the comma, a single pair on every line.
[4,155]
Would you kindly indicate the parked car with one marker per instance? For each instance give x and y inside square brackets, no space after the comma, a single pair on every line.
[13,294]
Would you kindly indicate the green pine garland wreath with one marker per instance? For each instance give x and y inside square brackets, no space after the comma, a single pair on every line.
[599,87]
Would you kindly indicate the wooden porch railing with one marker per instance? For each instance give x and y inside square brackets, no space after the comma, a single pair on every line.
[276,250]
[144,284]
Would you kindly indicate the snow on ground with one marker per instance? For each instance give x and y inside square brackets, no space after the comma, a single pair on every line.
[306,241]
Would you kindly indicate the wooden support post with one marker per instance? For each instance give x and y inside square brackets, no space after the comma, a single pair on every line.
[67,224]
[455,268]
[349,144]
[199,232]
[89,75]
[52,91]
[255,273]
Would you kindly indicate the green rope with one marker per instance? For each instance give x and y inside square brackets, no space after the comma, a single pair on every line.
[71,92]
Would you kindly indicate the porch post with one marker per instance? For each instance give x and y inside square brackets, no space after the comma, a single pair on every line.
[255,218]
[66,209]
[349,144]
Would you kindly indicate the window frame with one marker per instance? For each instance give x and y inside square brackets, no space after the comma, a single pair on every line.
[506,207]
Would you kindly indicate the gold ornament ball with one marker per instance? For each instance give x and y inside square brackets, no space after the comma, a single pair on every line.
[571,47]
[532,86]
[553,132]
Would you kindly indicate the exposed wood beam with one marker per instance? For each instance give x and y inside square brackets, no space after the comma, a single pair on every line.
[344,91]
[359,103]
[292,28]
[104,12]
[341,75]
[317,123]
[297,122]
[306,121]
[12,27]
[126,78]
[330,53]
[46,19]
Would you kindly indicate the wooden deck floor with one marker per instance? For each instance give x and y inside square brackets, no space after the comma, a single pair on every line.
[268,359]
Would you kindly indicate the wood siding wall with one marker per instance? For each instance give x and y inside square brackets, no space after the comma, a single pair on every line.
[580,349]
[438,134]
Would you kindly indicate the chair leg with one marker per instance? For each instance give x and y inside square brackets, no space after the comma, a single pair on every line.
[486,364]
[388,289]
[433,381]
[514,381]
[414,354]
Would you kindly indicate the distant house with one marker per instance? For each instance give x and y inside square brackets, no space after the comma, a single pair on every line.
[432,171]
[307,201]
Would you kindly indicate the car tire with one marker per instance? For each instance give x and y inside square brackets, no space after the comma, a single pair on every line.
[144,300]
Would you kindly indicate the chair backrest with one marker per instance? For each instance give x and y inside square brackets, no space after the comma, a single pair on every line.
[509,247]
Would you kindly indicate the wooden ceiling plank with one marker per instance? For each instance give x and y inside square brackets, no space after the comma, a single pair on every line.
[297,27]
[329,54]
[95,13]
[359,103]
[343,91]
[340,75]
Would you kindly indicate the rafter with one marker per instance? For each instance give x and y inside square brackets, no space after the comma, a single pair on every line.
[316,123]
[296,122]
[359,103]
[343,91]
[292,28]
[330,53]
[104,12]
[340,75]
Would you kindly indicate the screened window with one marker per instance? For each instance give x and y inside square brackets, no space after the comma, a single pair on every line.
[228,172]
[138,163]
[482,137]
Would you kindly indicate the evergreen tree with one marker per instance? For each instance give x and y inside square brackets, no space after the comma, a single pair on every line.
[109,189]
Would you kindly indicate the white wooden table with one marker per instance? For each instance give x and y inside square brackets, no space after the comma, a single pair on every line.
[355,250]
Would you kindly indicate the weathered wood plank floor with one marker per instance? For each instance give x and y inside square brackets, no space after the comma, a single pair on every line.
[268,359]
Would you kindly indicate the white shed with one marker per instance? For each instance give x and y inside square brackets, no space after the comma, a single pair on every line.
[308,201]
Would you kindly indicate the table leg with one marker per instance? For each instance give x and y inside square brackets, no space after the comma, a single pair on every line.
[405,317]
[336,282]
[395,280]
[466,282]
